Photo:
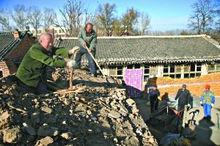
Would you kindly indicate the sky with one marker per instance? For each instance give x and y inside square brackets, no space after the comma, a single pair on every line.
[164,14]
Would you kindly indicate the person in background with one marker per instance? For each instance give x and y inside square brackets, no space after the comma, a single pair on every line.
[153,94]
[88,40]
[31,72]
[184,98]
[207,100]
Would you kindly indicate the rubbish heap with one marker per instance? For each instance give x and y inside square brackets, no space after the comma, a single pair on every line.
[97,115]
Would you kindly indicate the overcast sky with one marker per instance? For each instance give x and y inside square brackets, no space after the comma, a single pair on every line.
[165,14]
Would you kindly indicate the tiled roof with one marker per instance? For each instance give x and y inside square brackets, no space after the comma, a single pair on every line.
[7,43]
[152,49]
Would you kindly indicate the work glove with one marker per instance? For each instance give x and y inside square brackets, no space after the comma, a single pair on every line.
[212,104]
[188,105]
[74,50]
[84,45]
[201,103]
[71,63]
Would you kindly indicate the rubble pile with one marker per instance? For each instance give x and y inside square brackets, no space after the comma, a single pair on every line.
[97,115]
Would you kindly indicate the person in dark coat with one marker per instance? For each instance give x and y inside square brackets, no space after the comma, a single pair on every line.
[153,93]
[184,98]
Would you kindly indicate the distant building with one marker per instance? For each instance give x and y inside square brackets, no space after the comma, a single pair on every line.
[158,56]
[13,46]
[58,31]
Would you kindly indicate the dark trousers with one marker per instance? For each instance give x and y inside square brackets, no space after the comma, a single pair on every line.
[153,103]
[40,89]
[92,66]
[181,107]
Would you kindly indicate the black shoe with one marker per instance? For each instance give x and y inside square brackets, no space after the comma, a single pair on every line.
[208,118]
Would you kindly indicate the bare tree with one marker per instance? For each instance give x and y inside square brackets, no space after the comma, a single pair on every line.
[4,20]
[88,17]
[202,17]
[144,22]
[35,18]
[19,16]
[117,27]
[105,17]
[71,16]
[129,19]
[217,14]
[49,17]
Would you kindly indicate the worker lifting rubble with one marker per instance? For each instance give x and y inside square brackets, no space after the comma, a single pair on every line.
[31,72]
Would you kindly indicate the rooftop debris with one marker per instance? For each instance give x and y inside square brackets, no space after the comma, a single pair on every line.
[98,114]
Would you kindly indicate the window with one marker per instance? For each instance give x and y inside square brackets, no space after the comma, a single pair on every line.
[192,67]
[178,69]
[178,75]
[137,66]
[192,70]
[199,67]
[186,68]
[146,72]
[172,71]
[186,75]
[119,71]
[112,71]
[213,68]
[217,67]
[116,71]
[187,71]
[129,66]
[165,69]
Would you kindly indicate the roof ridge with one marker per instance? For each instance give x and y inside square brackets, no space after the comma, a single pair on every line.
[144,36]
[211,40]
[5,33]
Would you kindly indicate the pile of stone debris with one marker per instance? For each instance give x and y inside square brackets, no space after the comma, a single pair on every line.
[97,115]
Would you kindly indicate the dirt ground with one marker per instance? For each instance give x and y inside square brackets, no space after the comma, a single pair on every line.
[206,133]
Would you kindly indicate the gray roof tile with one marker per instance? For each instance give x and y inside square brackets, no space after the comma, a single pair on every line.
[151,49]
[5,39]
[7,43]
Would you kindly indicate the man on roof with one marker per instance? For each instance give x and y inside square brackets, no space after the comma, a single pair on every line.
[31,72]
[88,40]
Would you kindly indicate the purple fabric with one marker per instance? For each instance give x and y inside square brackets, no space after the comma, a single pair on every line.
[134,80]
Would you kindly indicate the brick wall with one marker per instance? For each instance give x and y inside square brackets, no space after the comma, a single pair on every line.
[195,85]
[22,48]
[4,68]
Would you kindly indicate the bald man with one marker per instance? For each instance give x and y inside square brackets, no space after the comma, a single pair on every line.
[32,69]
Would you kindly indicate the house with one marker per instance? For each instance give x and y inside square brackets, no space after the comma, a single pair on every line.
[158,56]
[57,31]
[13,46]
